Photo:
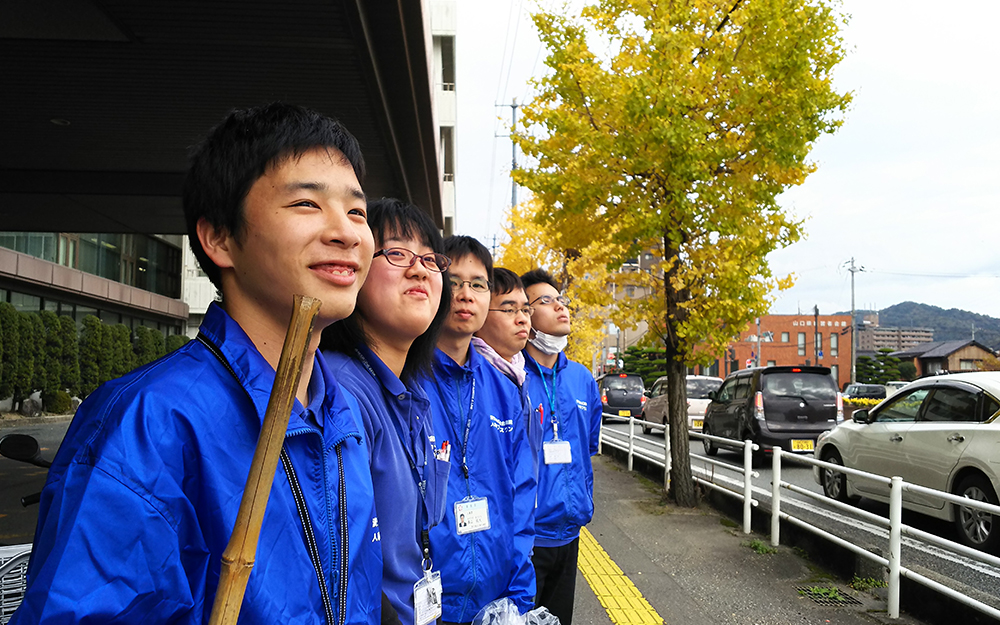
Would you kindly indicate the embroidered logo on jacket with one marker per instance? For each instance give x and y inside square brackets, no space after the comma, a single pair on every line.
[582,405]
[502,426]
[377,534]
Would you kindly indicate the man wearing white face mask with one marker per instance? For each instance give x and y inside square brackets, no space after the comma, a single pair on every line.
[570,408]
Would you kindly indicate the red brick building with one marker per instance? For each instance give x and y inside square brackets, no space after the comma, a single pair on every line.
[793,340]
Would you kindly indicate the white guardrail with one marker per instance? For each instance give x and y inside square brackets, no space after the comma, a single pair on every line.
[626,441]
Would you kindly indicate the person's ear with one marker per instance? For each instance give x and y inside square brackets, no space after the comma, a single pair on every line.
[216,242]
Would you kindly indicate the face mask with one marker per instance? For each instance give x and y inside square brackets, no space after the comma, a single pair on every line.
[549,344]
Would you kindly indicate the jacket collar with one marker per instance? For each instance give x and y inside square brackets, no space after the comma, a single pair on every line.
[444,362]
[256,375]
[531,365]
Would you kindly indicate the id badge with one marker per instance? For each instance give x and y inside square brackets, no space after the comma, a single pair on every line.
[427,598]
[472,514]
[557,452]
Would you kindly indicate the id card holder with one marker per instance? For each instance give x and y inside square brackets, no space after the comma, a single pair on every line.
[557,452]
[427,598]
[472,514]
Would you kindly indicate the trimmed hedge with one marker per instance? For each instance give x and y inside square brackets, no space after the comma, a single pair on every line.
[43,352]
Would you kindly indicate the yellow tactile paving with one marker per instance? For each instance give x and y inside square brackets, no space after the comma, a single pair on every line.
[616,592]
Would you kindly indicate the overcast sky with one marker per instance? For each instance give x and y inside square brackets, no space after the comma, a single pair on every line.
[908,187]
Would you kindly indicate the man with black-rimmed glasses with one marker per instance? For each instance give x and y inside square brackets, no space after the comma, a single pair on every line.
[571,426]
[478,411]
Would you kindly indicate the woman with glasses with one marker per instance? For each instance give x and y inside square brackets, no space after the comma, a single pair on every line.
[378,353]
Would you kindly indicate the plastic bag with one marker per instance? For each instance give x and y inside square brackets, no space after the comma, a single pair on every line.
[505,612]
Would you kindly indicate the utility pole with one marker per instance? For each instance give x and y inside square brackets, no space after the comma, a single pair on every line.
[816,337]
[513,151]
[854,325]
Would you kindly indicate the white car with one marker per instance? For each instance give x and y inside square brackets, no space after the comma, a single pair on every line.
[697,388]
[941,432]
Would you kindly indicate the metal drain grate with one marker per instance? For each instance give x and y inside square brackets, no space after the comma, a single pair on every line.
[827,595]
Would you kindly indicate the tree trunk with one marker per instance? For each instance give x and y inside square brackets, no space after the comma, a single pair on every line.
[681,483]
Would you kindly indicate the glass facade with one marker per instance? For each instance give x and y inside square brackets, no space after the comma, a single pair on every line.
[64,306]
[137,260]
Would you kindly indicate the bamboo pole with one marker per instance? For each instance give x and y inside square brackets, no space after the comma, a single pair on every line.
[238,558]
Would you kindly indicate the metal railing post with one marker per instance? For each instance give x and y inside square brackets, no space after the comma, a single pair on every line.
[747,484]
[776,498]
[631,440]
[895,541]
[666,457]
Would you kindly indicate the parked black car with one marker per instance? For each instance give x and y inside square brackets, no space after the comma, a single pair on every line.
[864,391]
[786,406]
[622,395]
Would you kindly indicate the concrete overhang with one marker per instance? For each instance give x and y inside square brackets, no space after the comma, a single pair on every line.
[100,101]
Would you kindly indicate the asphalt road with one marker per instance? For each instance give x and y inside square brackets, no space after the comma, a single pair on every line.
[17,524]
[971,577]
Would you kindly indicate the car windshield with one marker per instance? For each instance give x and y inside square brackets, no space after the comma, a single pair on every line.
[631,383]
[699,388]
[800,385]
[853,389]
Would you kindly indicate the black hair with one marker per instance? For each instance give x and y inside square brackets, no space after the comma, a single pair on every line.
[458,246]
[505,281]
[394,219]
[538,276]
[239,150]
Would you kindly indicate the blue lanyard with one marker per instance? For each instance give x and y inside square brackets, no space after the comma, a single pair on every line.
[550,395]
[418,472]
[468,419]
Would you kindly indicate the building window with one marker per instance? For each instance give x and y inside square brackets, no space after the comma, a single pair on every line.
[630,291]
[967,365]
[834,344]
[818,344]
[835,374]
[802,343]
[784,337]
[447,153]
[771,363]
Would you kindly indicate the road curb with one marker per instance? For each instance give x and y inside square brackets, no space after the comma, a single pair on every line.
[7,423]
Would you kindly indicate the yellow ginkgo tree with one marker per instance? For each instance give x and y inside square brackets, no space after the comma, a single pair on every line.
[676,124]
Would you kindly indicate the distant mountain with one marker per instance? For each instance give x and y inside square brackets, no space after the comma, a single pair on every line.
[948,325]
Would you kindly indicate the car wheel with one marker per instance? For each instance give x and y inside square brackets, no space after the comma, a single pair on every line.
[976,528]
[710,447]
[645,427]
[834,482]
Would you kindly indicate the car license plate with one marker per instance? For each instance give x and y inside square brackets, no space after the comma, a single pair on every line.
[800,445]
[696,424]
[624,413]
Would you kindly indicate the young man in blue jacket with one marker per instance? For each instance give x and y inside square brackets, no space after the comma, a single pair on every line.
[571,407]
[501,341]
[143,494]
[487,532]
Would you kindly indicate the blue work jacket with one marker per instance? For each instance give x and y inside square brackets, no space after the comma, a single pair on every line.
[397,424]
[480,567]
[143,495]
[567,394]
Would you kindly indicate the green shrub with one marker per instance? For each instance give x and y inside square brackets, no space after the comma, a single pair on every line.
[28,376]
[91,348]
[51,353]
[8,348]
[148,345]
[122,358]
[57,403]
[70,358]
[175,341]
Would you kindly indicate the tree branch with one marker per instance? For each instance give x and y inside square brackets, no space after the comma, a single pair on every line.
[717,29]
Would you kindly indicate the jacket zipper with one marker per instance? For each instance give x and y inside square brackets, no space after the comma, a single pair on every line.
[300,505]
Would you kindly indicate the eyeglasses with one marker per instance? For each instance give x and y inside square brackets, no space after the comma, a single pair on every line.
[527,311]
[545,300]
[402,257]
[479,285]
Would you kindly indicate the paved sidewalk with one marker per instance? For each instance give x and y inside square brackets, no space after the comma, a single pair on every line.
[693,567]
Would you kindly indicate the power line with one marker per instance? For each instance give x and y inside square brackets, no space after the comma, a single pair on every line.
[929,275]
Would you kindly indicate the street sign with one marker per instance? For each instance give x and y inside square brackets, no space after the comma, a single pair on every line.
[749,362]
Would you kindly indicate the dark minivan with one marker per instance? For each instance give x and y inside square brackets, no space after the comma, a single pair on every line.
[785,406]
[622,395]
